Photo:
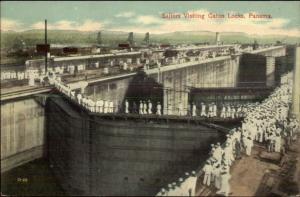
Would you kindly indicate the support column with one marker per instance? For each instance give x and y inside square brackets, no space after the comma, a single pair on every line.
[296,85]
[165,102]
[270,71]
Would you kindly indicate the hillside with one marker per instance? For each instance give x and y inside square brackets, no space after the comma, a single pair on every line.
[33,37]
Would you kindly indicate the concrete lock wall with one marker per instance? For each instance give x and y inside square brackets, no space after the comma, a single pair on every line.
[22,132]
[112,91]
[145,156]
[176,83]
[68,146]
[97,156]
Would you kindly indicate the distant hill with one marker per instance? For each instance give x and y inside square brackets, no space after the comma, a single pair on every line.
[72,37]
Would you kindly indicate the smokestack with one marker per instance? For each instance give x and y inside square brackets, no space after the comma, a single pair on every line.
[99,38]
[46,51]
[147,38]
[218,42]
[130,38]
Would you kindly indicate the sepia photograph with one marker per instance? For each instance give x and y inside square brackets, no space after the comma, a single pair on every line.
[150,98]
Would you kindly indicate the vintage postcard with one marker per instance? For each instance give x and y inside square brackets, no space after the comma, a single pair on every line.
[156,98]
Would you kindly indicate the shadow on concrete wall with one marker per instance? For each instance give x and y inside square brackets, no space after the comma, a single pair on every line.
[143,88]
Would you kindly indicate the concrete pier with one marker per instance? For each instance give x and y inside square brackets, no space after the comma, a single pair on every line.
[22,132]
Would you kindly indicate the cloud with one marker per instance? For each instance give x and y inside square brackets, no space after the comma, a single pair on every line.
[125,15]
[145,23]
[261,26]
[88,25]
[9,24]
[148,20]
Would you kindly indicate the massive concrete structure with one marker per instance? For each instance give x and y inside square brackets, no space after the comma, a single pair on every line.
[103,155]
[225,71]
[75,143]
[22,132]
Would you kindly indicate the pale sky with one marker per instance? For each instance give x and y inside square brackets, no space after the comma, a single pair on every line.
[138,16]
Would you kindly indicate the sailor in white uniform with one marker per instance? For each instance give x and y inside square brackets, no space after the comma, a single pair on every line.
[149,107]
[214,110]
[111,107]
[99,105]
[79,97]
[203,110]
[145,108]
[106,106]
[207,169]
[126,107]
[225,186]
[141,110]
[158,112]
[223,112]
[194,109]
[228,111]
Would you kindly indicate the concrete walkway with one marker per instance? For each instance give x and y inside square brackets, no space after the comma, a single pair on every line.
[257,176]
[248,173]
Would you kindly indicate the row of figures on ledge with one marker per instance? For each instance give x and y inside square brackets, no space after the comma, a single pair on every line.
[211,110]
[19,75]
[225,111]
[145,107]
[100,106]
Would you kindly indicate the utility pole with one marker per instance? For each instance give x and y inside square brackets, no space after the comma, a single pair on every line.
[46,48]
[99,38]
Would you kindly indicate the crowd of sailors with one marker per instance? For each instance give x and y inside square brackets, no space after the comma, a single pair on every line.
[147,107]
[100,106]
[267,123]
[206,110]
[182,187]
[16,75]
[225,111]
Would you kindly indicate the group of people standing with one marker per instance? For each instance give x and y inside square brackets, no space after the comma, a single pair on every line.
[267,123]
[183,187]
[225,111]
[19,75]
[99,106]
[144,107]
